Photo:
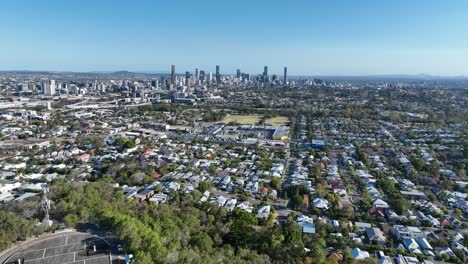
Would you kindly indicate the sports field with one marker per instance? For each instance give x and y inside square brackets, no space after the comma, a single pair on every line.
[277,121]
[242,119]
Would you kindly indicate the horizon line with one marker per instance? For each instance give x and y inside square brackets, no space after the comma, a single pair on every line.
[420,75]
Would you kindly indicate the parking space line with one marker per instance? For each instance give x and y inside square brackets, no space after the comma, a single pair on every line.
[66,240]
[43,255]
[29,260]
[97,239]
[84,260]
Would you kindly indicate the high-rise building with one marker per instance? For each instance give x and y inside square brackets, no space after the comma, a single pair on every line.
[218,76]
[202,76]
[187,78]
[197,74]
[48,87]
[32,87]
[173,78]
[210,78]
[265,74]
[52,87]
[238,74]
[285,76]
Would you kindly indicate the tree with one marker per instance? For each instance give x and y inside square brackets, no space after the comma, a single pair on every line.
[275,183]
[297,201]
[202,240]
[71,220]
[205,186]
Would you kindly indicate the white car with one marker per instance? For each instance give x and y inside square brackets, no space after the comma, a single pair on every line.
[119,247]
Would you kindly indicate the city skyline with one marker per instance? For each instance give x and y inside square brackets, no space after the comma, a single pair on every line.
[311,38]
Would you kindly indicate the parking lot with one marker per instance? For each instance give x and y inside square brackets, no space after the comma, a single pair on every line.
[69,248]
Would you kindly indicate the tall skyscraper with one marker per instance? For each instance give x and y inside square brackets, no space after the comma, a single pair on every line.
[285,76]
[238,74]
[52,87]
[197,74]
[265,74]
[48,87]
[173,78]
[187,78]
[218,76]
[202,76]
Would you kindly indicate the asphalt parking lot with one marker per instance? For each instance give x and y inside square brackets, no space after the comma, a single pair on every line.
[69,248]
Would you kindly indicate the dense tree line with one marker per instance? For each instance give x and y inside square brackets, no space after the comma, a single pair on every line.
[182,231]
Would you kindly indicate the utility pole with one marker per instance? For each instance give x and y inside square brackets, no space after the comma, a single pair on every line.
[45,206]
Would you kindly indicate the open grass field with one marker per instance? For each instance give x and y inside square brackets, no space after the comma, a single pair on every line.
[242,119]
[277,121]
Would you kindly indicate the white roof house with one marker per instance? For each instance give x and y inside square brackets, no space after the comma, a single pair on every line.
[263,212]
[230,205]
[321,203]
[357,253]
[245,206]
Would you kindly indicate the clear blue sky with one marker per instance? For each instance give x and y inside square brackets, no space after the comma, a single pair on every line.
[313,37]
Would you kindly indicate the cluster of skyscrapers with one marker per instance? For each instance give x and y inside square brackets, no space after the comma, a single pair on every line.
[200,77]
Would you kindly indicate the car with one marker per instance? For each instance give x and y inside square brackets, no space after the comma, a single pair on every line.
[119,247]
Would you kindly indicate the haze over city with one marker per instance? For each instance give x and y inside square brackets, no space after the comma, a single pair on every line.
[311,37]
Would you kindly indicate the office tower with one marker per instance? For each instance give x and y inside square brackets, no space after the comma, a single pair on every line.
[210,78]
[238,74]
[285,76]
[197,74]
[218,76]
[52,87]
[31,87]
[187,78]
[202,76]
[48,88]
[173,78]
[265,74]
[45,88]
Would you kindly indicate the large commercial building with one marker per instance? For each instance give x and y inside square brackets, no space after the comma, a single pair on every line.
[285,76]
[48,87]
[187,78]
[218,76]
[265,74]
[173,78]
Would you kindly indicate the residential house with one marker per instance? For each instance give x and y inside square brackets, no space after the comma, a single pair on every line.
[159,198]
[375,236]
[411,245]
[357,253]
[230,205]
[263,212]
[321,203]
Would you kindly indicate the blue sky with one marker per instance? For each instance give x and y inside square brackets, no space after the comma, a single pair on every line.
[311,37]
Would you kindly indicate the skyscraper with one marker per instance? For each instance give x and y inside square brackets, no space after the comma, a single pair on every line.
[197,74]
[285,76]
[202,76]
[218,76]
[52,87]
[187,78]
[238,74]
[265,74]
[173,78]
[48,87]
